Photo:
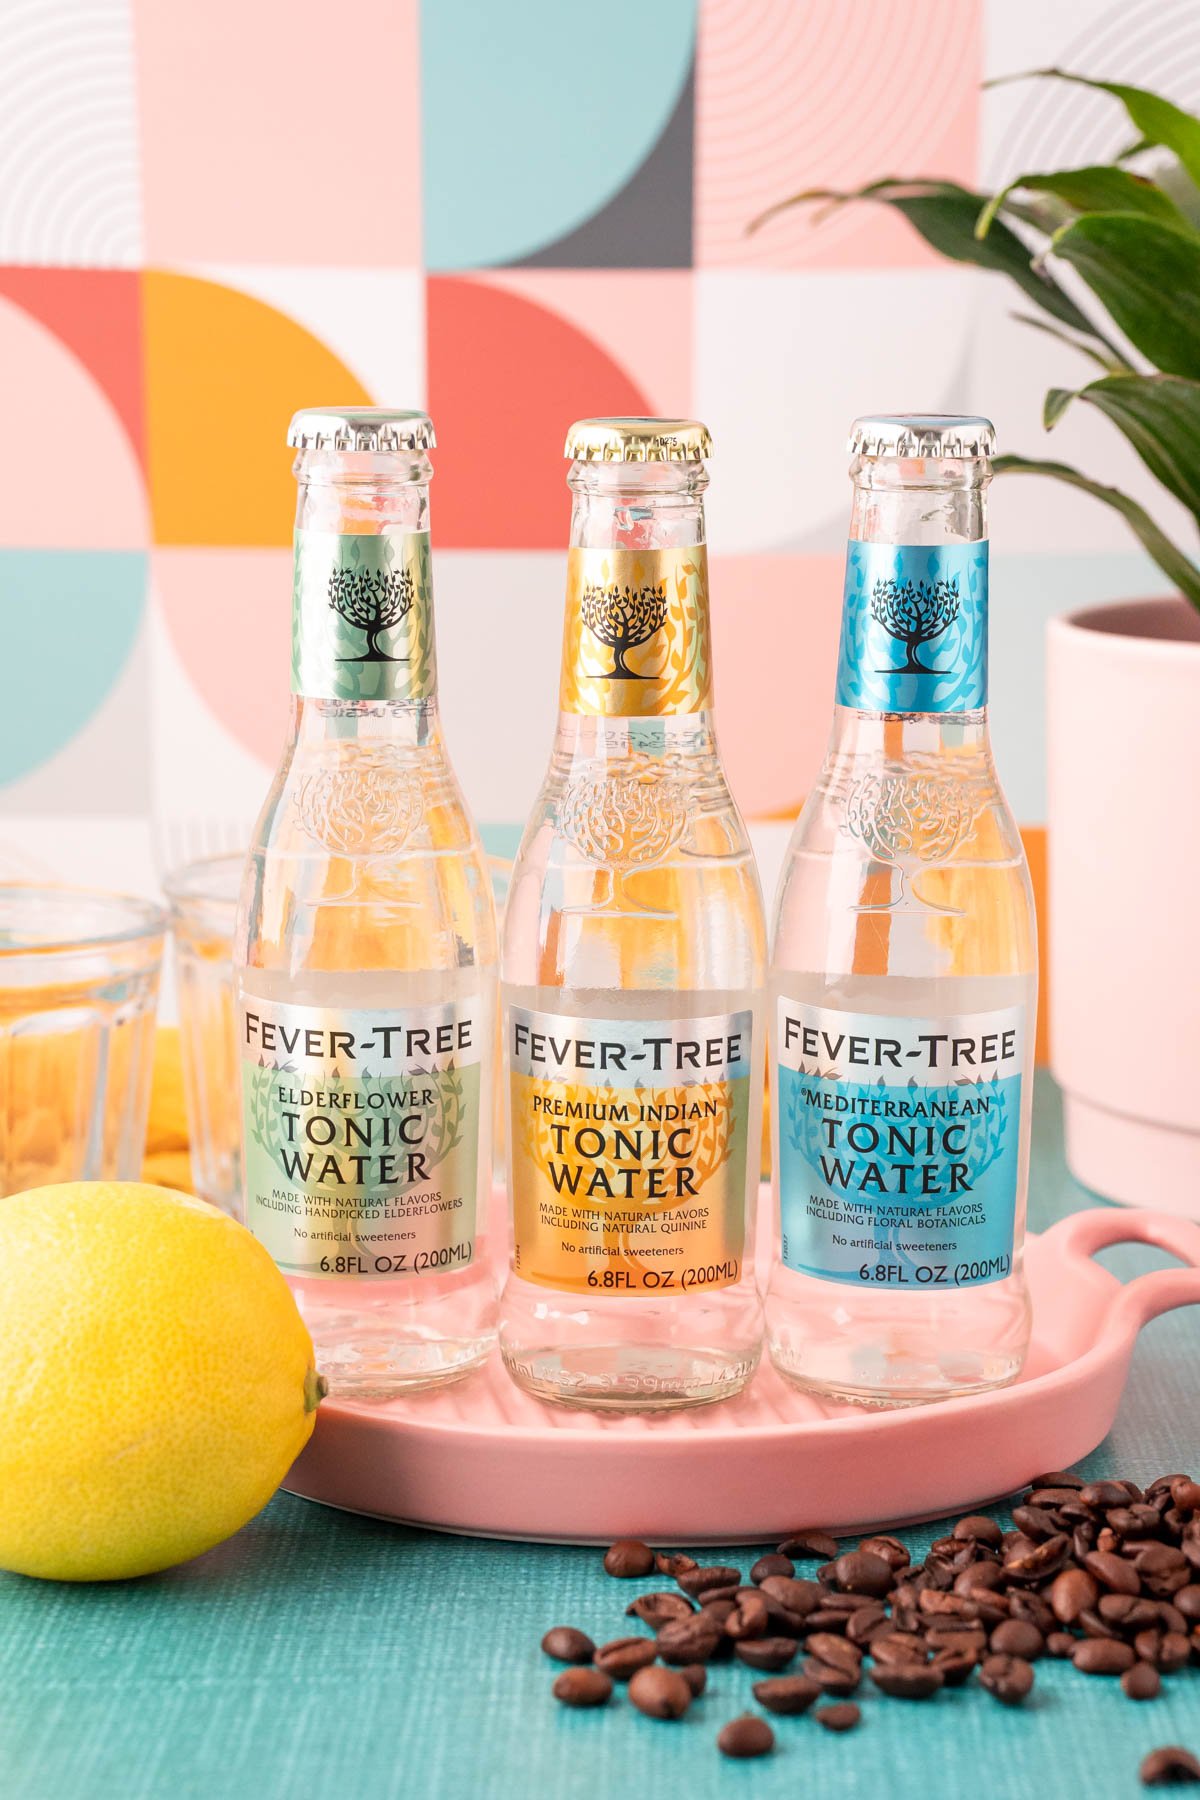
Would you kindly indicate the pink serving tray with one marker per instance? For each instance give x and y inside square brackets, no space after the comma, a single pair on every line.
[482,1457]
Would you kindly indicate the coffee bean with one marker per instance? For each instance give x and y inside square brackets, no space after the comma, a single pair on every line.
[1103,1656]
[842,1716]
[1017,1637]
[892,1551]
[655,1609]
[1008,1678]
[660,1693]
[908,1680]
[1057,1496]
[1187,1600]
[696,1676]
[831,1679]
[1058,1478]
[622,1657]
[627,1558]
[1163,1569]
[979,1578]
[972,1638]
[1128,1611]
[1169,1766]
[1141,1682]
[798,1596]
[864,1622]
[1109,1493]
[1094,1626]
[955,1666]
[1185,1494]
[768,1653]
[803,1546]
[1035,1522]
[673,1563]
[747,1736]
[774,1564]
[1026,1561]
[565,1644]
[1060,1644]
[713,1575]
[948,1606]
[718,1610]
[1113,1572]
[786,1693]
[862,1572]
[582,1687]
[749,1616]
[1170,1617]
[1025,1604]
[837,1652]
[683,1641]
[978,1530]
[1173,1652]
[713,1596]
[898,1647]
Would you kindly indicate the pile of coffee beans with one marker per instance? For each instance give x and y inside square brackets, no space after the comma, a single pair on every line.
[1100,1573]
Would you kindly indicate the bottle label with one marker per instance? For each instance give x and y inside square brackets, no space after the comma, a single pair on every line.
[899,1145]
[628,1151]
[636,642]
[362,616]
[914,628]
[361,1135]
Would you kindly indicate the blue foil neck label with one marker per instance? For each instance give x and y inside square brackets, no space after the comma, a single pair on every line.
[899,1145]
[914,628]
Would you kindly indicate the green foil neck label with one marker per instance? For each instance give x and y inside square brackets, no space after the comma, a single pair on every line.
[362,616]
[361,1136]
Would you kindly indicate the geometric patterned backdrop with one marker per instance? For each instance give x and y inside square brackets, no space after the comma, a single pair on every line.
[213,211]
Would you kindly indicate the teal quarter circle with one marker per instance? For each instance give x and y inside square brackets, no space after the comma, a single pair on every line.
[68,621]
[534,116]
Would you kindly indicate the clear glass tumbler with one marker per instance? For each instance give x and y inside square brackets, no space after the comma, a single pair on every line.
[203,899]
[78,992]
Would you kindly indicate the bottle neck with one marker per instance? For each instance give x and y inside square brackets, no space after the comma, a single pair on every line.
[914,639]
[362,613]
[637,639]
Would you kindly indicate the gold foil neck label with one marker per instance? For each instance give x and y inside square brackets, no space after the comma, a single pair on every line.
[636,642]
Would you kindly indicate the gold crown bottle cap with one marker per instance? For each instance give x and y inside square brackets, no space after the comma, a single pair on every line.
[366,428]
[638,440]
[921,434]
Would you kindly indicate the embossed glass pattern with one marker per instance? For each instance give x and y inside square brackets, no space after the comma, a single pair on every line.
[904,990]
[633,960]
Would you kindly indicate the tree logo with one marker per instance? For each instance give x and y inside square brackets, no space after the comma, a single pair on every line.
[622,618]
[913,615]
[372,600]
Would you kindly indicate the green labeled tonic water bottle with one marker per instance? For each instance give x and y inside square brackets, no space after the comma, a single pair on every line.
[366,946]
[904,970]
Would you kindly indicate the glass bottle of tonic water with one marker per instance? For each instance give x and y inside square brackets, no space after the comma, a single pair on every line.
[905,966]
[366,944]
[632,967]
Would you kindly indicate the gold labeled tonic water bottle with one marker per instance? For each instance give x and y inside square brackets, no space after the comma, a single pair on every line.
[904,971]
[366,945]
[632,969]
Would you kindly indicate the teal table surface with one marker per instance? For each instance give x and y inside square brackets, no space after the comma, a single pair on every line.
[321,1655]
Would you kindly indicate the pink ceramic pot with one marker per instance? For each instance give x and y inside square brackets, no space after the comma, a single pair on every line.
[1123,700]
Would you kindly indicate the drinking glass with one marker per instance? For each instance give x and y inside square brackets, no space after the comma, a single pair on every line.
[203,899]
[78,993]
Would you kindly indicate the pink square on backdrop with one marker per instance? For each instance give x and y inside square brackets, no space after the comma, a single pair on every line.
[277,133]
[796,94]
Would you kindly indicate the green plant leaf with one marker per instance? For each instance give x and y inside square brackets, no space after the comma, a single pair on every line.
[1157,120]
[1094,189]
[944,214]
[1177,567]
[1147,277]
[1159,414]
[1112,364]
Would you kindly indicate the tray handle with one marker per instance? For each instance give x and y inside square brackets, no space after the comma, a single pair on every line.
[1146,1296]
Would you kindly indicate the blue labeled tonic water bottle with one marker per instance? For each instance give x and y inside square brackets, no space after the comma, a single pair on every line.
[904,967]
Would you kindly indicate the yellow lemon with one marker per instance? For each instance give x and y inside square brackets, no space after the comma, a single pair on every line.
[156,1379]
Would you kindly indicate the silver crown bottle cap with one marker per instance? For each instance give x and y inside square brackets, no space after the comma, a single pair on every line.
[921,434]
[365,428]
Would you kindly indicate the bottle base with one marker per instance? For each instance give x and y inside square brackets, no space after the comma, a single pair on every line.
[379,1366]
[900,1393]
[628,1378]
